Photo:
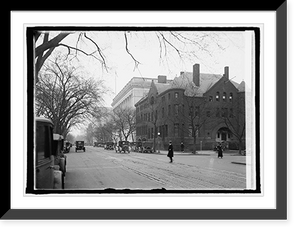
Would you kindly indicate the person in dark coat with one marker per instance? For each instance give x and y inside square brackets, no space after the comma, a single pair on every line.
[220,151]
[170,152]
[182,147]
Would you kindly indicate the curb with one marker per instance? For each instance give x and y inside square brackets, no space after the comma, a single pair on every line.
[239,163]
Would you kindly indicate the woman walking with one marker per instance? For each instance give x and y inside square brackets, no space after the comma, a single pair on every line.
[170,152]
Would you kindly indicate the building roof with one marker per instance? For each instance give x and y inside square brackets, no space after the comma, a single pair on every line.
[161,87]
[135,82]
[185,81]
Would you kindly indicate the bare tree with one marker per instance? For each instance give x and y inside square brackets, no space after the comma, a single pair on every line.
[65,96]
[124,119]
[235,120]
[181,44]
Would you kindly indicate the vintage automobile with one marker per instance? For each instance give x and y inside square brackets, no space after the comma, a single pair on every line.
[48,174]
[59,158]
[147,147]
[67,146]
[80,146]
[109,146]
[123,146]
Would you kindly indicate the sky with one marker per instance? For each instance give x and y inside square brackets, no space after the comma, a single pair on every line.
[212,50]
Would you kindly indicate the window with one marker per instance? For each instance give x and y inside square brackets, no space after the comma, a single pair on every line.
[191,112]
[218,112]
[166,130]
[231,113]
[152,100]
[224,112]
[169,95]
[176,130]
[169,110]
[210,98]
[208,113]
[230,97]
[176,95]
[190,131]
[224,96]
[197,111]
[151,133]
[176,107]
[40,142]
[217,96]
[163,112]
[163,99]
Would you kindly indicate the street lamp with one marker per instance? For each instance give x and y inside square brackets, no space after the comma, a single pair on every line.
[158,138]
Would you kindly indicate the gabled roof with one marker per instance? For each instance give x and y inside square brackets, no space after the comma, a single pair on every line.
[185,81]
[161,87]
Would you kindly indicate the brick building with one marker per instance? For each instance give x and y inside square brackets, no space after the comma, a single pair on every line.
[197,109]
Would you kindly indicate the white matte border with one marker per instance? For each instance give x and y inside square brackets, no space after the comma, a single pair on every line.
[18,134]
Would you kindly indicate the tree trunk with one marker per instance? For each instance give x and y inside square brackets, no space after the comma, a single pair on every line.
[240,146]
[194,145]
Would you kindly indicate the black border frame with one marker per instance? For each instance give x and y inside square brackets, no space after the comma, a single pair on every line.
[30,31]
[280,212]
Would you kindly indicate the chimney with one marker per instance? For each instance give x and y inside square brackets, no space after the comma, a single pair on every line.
[196,74]
[226,72]
[162,79]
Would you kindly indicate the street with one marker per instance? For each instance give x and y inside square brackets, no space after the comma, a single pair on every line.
[101,169]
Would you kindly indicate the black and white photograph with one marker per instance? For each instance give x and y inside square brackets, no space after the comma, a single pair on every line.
[148,115]
[144,109]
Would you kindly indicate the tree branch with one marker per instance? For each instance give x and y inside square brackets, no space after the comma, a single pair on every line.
[136,62]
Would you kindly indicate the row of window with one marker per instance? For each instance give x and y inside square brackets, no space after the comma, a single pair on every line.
[224,97]
[193,111]
[163,131]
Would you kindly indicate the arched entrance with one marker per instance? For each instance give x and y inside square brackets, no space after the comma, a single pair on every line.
[223,135]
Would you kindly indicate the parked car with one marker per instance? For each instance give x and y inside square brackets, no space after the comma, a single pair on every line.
[109,146]
[67,146]
[147,147]
[80,146]
[48,174]
[123,146]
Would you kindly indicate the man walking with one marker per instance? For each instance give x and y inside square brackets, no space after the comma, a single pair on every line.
[170,152]
[220,151]
[182,147]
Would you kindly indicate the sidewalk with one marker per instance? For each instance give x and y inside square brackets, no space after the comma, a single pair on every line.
[189,153]
[232,156]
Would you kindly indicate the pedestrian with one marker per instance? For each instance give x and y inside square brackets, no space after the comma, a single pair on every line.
[220,151]
[170,152]
[182,147]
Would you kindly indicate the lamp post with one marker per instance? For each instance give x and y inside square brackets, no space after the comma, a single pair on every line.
[158,139]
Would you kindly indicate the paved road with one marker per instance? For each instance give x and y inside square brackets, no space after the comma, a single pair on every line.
[100,169]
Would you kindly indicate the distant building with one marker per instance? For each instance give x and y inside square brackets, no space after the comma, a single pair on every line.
[132,92]
[196,109]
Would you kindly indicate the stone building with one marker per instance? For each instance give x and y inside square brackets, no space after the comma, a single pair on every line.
[196,108]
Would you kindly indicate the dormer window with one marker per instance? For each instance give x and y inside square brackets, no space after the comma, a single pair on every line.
[217,96]
[224,96]
[230,97]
